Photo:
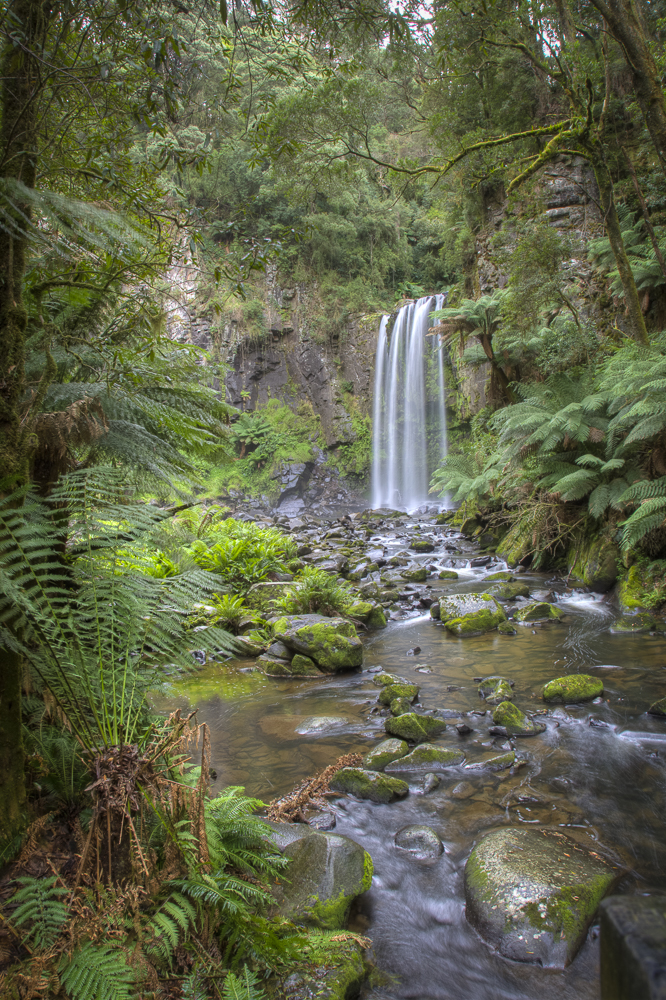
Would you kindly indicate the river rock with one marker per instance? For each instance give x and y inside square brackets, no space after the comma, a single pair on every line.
[421,545]
[414,572]
[413,727]
[595,564]
[470,614]
[372,785]
[573,688]
[420,841]
[532,894]
[370,613]
[658,708]
[515,722]
[538,611]
[430,782]
[325,875]
[447,574]
[303,666]
[633,947]
[400,706]
[435,611]
[331,642]
[274,667]
[499,763]
[633,624]
[495,689]
[315,724]
[384,753]
[391,691]
[506,628]
[510,591]
[463,790]
[503,575]
[427,757]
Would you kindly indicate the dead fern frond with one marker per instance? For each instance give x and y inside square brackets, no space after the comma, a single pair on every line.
[310,792]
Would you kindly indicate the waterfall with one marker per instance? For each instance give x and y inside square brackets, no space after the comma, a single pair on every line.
[409,402]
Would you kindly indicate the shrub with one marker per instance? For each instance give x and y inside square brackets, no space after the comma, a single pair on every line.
[317,591]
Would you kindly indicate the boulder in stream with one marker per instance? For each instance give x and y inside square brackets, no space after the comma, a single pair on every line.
[506,628]
[515,722]
[415,728]
[383,679]
[447,574]
[331,642]
[421,545]
[400,706]
[495,689]
[303,666]
[499,763]
[533,893]
[414,572]
[658,708]
[427,757]
[384,753]
[573,688]
[509,591]
[391,691]
[633,624]
[325,875]
[538,611]
[420,841]
[372,785]
[470,614]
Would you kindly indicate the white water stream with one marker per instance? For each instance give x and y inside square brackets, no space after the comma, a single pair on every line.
[405,407]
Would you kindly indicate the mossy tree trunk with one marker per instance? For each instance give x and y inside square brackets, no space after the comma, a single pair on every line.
[21,86]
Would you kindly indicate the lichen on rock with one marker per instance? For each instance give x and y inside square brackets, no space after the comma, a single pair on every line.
[427,757]
[573,688]
[516,722]
[538,611]
[391,691]
[384,753]
[413,727]
[372,785]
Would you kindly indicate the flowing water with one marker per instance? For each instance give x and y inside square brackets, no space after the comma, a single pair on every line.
[409,408]
[597,771]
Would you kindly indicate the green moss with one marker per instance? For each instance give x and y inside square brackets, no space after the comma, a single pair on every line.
[658,708]
[426,757]
[495,689]
[475,623]
[400,706]
[421,545]
[381,680]
[573,688]
[368,871]
[503,575]
[506,628]
[415,575]
[330,914]
[376,618]
[514,721]
[384,753]
[447,574]
[303,666]
[372,785]
[435,611]
[510,591]
[391,691]
[413,727]
[538,611]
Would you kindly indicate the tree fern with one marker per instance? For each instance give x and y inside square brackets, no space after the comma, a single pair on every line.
[40,913]
[464,477]
[650,514]
[97,972]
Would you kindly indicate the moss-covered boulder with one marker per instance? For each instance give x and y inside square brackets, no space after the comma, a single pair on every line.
[376,618]
[415,728]
[435,610]
[421,842]
[381,680]
[636,590]
[635,624]
[418,544]
[516,722]
[515,547]
[495,689]
[427,757]
[506,628]
[470,526]
[502,575]
[400,706]
[470,614]
[274,667]
[414,573]
[573,688]
[595,564]
[326,873]
[447,574]
[262,596]
[368,612]
[499,763]
[391,691]
[658,708]
[303,666]
[509,591]
[532,894]
[383,754]
[372,785]
[331,642]
[538,611]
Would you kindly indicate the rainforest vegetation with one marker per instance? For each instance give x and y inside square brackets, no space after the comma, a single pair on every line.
[372,152]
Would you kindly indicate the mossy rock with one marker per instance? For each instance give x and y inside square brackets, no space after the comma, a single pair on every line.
[376,618]
[495,689]
[532,894]
[506,628]
[391,691]
[635,624]
[360,609]
[658,708]
[596,563]
[539,611]
[573,688]
[303,666]
[414,573]
[516,722]
[325,875]
[331,642]
[344,975]
[515,547]
[427,757]
[383,754]
[445,517]
[421,545]
[421,842]
[470,614]
[435,611]
[372,785]
[499,763]
[381,680]
[413,727]
[470,526]
[400,706]
[504,576]
[509,591]
[447,574]
[477,623]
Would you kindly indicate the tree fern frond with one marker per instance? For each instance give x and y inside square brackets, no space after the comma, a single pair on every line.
[244,986]
[97,972]
[40,912]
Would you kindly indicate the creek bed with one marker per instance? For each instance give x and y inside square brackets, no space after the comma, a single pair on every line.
[597,771]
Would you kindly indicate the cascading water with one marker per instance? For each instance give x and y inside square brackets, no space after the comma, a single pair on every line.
[409,402]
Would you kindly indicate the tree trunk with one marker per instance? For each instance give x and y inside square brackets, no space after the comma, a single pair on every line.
[627,29]
[12,785]
[635,318]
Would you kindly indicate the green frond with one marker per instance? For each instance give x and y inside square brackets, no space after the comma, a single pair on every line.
[244,986]
[40,913]
[97,972]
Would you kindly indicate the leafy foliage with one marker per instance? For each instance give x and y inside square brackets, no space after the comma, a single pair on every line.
[97,972]
[242,987]
[41,911]
[316,591]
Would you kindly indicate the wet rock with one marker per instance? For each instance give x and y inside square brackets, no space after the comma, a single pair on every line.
[420,841]
[414,572]
[447,574]
[391,691]
[506,628]
[325,875]
[633,624]
[331,642]
[658,708]
[372,785]
[322,820]
[480,561]
[384,753]
[314,724]
[503,575]
[573,688]
[515,722]
[463,790]
[303,666]
[495,689]
[381,680]
[415,728]
[509,591]
[633,947]
[400,706]
[413,652]
[435,611]
[430,783]
[538,611]
[532,894]
[421,545]
[464,729]
[470,614]
[595,564]
[427,757]
[499,763]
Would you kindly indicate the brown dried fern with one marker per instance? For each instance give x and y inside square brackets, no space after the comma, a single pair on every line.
[290,807]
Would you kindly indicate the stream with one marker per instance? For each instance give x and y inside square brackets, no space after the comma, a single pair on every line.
[597,769]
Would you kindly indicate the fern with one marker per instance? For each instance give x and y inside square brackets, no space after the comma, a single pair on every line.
[651,513]
[242,987]
[170,926]
[464,477]
[97,972]
[40,910]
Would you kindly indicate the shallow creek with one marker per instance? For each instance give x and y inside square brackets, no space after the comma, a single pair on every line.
[597,770]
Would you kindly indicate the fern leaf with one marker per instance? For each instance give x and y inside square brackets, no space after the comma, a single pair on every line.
[244,986]
[40,910]
[96,972]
